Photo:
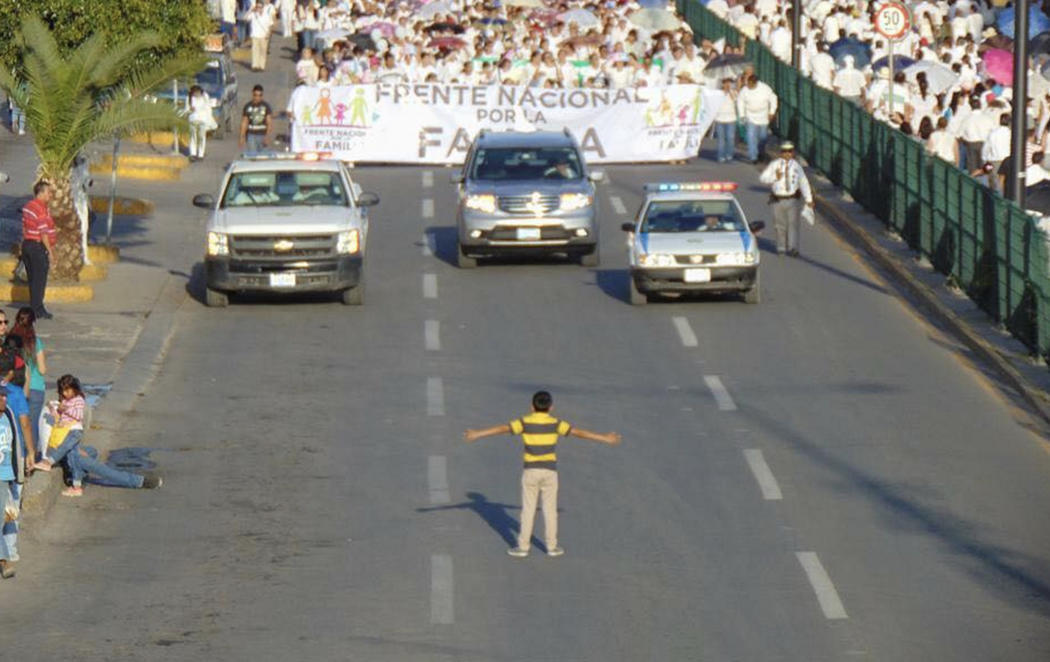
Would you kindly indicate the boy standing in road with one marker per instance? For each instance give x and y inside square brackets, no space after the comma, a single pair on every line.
[256,122]
[539,432]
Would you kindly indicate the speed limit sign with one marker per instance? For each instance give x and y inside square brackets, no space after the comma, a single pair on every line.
[892,20]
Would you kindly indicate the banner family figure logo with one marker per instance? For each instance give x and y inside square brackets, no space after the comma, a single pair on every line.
[662,114]
[329,112]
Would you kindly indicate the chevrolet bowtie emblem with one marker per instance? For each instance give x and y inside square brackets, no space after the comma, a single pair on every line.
[534,205]
[283,245]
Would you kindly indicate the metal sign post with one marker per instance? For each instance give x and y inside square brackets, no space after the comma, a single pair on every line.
[893,21]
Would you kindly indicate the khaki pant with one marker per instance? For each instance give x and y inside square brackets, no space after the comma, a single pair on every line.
[259,47]
[534,483]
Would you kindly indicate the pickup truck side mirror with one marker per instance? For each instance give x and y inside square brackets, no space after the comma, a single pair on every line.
[204,201]
[368,199]
[456,178]
[757,226]
[627,227]
[596,176]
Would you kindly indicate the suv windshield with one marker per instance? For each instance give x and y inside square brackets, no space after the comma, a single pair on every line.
[209,78]
[692,216]
[516,163]
[284,189]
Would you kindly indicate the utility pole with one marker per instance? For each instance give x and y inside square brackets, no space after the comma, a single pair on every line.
[1015,188]
[796,34]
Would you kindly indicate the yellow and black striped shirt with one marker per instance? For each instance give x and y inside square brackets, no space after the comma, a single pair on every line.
[539,432]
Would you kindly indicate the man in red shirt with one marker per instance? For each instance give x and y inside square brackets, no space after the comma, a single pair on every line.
[38,239]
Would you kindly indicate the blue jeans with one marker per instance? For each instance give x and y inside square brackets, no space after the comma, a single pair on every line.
[81,466]
[9,491]
[73,438]
[309,39]
[756,139]
[36,406]
[725,138]
[253,142]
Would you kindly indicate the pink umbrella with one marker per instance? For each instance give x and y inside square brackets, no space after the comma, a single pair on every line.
[999,64]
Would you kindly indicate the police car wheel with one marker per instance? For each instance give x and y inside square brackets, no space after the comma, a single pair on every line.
[590,259]
[463,260]
[215,298]
[637,297]
[754,295]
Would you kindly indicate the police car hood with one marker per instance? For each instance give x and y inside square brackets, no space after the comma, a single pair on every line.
[684,243]
[282,220]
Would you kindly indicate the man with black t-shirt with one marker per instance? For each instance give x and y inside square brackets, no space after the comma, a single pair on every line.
[257,122]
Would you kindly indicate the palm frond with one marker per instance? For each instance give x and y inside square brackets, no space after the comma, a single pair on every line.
[142,82]
[109,68]
[133,115]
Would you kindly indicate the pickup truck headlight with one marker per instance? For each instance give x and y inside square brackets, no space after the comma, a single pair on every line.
[218,243]
[485,202]
[349,242]
[656,260]
[574,201]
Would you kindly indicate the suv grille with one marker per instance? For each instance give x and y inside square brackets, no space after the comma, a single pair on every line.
[300,246]
[523,204]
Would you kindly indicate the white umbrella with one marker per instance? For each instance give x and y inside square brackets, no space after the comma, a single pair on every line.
[524,3]
[938,76]
[433,9]
[580,17]
[333,34]
[655,20]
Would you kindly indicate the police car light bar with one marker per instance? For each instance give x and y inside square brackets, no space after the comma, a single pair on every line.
[667,187]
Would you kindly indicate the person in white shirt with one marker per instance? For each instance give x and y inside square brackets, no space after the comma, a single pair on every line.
[725,123]
[259,30]
[780,41]
[996,148]
[1036,173]
[306,67]
[942,143]
[757,106]
[822,66]
[789,187]
[973,131]
[199,108]
[287,13]
[848,82]
[228,18]
[719,8]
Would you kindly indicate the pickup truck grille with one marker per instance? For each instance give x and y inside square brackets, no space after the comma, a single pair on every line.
[522,204]
[282,246]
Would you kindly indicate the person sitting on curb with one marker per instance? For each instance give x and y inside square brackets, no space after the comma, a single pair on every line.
[68,415]
[83,463]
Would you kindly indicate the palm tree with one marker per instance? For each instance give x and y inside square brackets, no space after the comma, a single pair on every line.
[71,99]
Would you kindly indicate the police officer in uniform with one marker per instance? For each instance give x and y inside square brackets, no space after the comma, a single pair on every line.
[539,432]
[790,188]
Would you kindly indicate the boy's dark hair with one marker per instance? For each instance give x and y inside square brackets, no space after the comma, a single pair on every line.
[40,186]
[542,401]
[257,88]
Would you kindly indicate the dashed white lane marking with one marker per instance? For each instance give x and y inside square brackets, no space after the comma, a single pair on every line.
[828,598]
[766,481]
[432,335]
[435,397]
[441,611]
[428,208]
[428,244]
[617,204]
[718,390]
[428,178]
[685,332]
[430,286]
[437,479]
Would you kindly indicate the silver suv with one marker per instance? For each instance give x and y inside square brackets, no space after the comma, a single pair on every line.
[526,193]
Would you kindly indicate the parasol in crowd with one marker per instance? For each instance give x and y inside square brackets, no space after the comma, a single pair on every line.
[727,65]
[999,64]
[655,19]
[1037,21]
[900,63]
[580,17]
[938,76]
[860,51]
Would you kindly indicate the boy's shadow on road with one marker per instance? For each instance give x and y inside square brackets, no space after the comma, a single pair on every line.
[494,514]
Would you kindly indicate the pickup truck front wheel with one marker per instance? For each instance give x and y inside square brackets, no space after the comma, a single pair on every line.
[355,296]
[215,298]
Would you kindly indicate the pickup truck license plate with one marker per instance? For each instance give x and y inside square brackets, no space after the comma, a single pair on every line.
[282,280]
[698,275]
[528,234]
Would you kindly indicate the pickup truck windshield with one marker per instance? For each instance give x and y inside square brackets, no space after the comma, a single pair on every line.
[692,216]
[518,163]
[284,189]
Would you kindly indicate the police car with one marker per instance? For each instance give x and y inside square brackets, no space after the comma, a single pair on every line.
[286,223]
[692,237]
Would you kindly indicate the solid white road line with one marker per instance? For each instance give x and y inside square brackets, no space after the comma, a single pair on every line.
[430,286]
[428,208]
[437,479]
[428,178]
[685,332]
[432,335]
[435,397]
[725,402]
[617,204]
[766,482]
[441,612]
[822,586]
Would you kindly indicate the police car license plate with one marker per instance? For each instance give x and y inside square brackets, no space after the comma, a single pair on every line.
[282,280]
[528,234]
[698,275]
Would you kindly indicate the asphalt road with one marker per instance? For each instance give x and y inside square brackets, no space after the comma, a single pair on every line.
[818,477]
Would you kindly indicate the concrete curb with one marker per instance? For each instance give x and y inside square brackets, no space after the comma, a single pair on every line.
[158,139]
[928,300]
[102,254]
[122,206]
[78,293]
[89,272]
[153,174]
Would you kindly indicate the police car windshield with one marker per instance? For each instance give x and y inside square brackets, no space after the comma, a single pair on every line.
[518,163]
[284,189]
[692,216]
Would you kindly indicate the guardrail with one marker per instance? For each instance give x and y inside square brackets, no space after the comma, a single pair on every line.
[985,243]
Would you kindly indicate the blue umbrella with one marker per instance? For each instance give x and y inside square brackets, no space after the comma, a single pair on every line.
[860,51]
[1037,22]
[899,63]
[653,4]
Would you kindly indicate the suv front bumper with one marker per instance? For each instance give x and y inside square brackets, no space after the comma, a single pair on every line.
[574,234]
[331,275]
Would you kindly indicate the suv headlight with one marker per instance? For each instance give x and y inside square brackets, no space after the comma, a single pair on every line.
[574,201]
[485,202]
[656,260]
[349,242]
[218,243]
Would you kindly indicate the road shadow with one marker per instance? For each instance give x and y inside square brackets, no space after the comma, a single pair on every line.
[196,285]
[494,514]
[444,244]
[841,274]
[613,283]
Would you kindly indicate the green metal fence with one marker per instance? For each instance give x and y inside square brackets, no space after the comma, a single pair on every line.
[988,245]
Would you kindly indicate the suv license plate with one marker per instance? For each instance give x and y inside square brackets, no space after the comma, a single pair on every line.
[528,234]
[282,280]
[698,275]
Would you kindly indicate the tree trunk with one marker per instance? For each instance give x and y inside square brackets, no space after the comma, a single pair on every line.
[68,252]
